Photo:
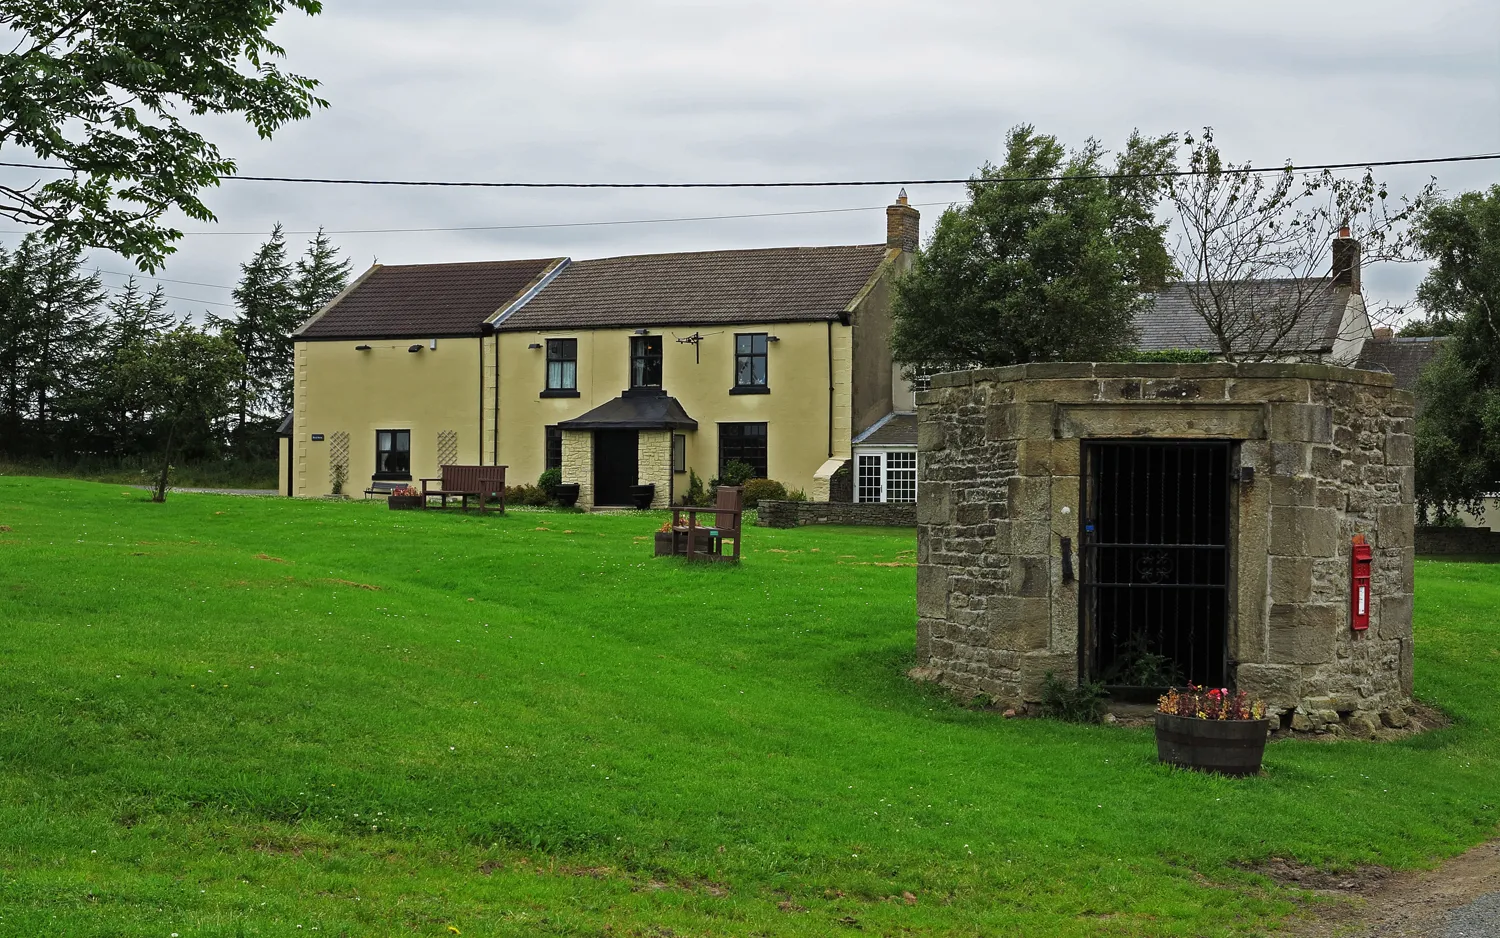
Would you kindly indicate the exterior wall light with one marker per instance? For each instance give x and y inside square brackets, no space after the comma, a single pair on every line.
[642,332]
[773,338]
[415,348]
[534,346]
[361,348]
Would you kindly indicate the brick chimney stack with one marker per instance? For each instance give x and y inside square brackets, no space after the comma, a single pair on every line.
[1346,260]
[902,226]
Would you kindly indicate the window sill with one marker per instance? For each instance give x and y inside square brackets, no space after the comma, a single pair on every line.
[751,389]
[391,477]
[560,392]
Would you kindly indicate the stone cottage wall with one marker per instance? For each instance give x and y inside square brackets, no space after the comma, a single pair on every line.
[1331,451]
[578,464]
[654,465]
[780,514]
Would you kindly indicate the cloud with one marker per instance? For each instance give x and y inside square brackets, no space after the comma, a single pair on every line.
[813,89]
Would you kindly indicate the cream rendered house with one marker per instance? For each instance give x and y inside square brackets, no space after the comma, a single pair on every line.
[622,371]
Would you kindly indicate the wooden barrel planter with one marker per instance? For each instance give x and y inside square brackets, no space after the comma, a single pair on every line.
[1228,747]
[405,502]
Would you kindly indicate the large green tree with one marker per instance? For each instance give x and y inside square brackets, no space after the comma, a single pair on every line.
[103,87]
[266,302]
[1458,429]
[121,413]
[1035,268]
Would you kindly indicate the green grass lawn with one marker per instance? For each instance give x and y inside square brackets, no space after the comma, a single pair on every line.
[229,716]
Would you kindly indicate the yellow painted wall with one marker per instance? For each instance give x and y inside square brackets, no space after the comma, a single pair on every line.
[341,390]
[796,409]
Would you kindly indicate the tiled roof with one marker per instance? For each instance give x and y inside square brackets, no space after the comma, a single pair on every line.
[425,300]
[1173,321]
[769,285]
[1404,358]
[897,429]
[634,411]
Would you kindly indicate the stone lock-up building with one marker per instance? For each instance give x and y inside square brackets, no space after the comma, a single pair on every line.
[1149,525]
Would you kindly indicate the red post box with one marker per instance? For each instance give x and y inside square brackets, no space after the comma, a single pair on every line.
[1359,600]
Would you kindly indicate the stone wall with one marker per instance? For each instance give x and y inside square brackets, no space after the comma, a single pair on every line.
[1331,454]
[780,514]
[654,465]
[578,464]
[1476,542]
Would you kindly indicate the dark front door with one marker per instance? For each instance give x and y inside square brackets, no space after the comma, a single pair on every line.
[615,466]
[1155,535]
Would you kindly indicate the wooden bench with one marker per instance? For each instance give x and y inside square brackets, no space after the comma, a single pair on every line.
[466,482]
[728,510]
[382,487]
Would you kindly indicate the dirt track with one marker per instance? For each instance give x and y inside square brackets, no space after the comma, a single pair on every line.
[1459,899]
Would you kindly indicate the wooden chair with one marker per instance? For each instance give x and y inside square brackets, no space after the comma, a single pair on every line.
[466,482]
[728,510]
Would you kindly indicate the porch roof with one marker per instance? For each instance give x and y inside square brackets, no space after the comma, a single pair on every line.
[634,412]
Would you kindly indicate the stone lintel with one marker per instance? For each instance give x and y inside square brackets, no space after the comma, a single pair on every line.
[1162,420]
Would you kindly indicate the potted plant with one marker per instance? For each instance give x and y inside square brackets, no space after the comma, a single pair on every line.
[405,498]
[566,494]
[1211,730]
[665,539]
[642,495]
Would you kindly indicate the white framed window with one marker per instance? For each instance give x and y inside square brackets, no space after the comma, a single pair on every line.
[901,476]
[867,484]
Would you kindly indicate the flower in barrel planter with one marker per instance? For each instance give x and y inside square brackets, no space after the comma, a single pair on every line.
[405,497]
[1211,730]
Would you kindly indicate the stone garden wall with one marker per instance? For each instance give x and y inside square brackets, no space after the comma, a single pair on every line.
[1331,454]
[780,514]
[1475,542]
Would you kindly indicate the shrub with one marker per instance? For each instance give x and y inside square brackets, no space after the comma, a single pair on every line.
[549,481]
[526,495]
[797,495]
[757,489]
[1180,356]
[733,473]
[1081,704]
[695,496]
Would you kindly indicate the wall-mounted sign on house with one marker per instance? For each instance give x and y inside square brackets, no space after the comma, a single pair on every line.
[620,371]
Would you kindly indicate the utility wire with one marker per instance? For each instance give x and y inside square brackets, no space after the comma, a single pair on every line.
[191,283]
[1163,174]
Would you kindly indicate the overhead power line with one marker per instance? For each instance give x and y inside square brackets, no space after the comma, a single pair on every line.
[821,184]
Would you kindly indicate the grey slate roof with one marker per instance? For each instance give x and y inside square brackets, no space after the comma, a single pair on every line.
[634,412]
[1404,358]
[702,288]
[897,429]
[425,300]
[1173,321]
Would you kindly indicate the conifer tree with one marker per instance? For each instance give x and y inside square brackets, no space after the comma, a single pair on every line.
[120,412]
[266,301]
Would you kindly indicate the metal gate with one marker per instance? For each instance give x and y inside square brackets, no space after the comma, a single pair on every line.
[1155,537]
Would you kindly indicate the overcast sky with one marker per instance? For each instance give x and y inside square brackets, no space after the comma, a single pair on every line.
[654,90]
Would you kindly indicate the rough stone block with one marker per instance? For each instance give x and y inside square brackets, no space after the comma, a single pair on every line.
[1035,457]
[1029,499]
[934,503]
[1293,490]
[1399,450]
[1034,669]
[1291,579]
[1019,623]
[932,591]
[1303,423]
[1184,389]
[1035,576]
[1033,538]
[1066,457]
[1075,390]
[1280,686]
[1044,370]
[1290,390]
[1395,616]
[1002,422]
[1303,532]
[931,436]
[1303,634]
[1289,459]
[1396,525]
[1120,389]
[1190,420]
